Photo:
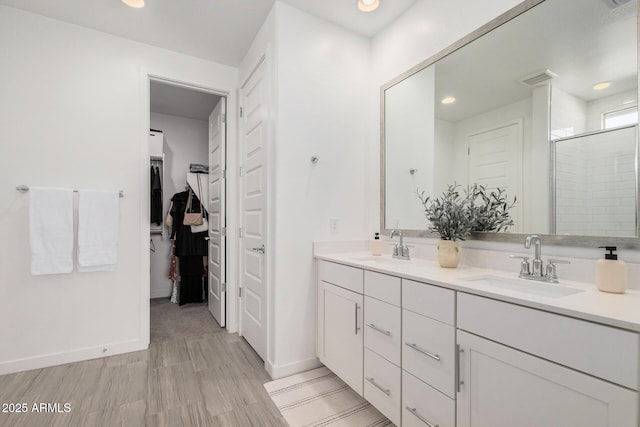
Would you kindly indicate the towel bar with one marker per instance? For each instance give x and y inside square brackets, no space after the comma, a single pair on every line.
[25,188]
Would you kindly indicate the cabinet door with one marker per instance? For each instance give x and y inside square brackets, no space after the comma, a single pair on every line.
[341,342]
[500,386]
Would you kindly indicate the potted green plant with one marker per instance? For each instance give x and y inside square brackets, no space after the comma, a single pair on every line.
[491,209]
[451,216]
[455,215]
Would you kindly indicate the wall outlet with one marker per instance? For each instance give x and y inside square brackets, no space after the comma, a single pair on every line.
[333,225]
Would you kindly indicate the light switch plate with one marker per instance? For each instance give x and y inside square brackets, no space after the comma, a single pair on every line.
[333,225]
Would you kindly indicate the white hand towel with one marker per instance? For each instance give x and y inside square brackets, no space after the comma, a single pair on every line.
[51,230]
[98,214]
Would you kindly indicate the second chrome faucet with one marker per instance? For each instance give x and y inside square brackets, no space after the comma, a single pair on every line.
[400,251]
[537,260]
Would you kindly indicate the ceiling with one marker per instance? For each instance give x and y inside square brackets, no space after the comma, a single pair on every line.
[216,30]
[345,13]
[584,45]
[181,101]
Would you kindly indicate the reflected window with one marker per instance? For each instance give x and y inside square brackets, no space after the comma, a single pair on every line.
[617,118]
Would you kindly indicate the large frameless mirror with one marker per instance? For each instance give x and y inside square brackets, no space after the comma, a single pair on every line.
[542,102]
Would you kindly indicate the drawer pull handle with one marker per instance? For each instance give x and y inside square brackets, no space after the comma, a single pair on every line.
[382,331]
[357,327]
[379,387]
[459,381]
[414,411]
[423,351]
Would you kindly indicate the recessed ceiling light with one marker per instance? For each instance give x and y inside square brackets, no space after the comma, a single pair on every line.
[134,3]
[601,86]
[368,5]
[448,100]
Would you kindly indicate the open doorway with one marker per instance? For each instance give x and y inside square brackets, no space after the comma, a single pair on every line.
[187,142]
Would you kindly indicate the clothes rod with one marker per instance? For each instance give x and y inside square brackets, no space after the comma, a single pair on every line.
[25,188]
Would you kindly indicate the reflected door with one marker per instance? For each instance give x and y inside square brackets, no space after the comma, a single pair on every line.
[495,160]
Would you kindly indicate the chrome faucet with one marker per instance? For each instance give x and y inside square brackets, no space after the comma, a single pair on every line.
[536,272]
[537,260]
[400,251]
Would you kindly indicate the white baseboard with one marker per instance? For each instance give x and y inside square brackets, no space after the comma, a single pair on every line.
[159,293]
[280,371]
[53,359]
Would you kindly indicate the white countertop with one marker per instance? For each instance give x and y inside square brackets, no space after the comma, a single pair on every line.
[618,310]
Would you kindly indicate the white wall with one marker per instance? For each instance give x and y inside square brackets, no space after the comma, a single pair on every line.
[444,152]
[568,114]
[410,143]
[186,141]
[74,113]
[321,81]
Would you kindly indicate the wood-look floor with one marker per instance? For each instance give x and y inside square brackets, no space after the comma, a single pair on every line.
[193,374]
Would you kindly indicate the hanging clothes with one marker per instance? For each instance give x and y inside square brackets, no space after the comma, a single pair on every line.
[187,243]
[191,279]
[190,248]
[198,168]
[156,196]
[174,276]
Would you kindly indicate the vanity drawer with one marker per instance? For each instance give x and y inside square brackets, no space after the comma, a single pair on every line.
[382,385]
[428,351]
[599,350]
[341,275]
[382,329]
[422,404]
[382,286]
[428,300]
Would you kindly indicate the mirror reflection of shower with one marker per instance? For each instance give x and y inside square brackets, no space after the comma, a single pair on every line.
[596,183]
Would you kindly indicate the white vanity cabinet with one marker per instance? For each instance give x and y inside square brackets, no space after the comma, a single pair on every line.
[382,342]
[520,380]
[427,355]
[503,387]
[340,322]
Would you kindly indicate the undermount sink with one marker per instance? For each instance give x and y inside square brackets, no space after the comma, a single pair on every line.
[524,286]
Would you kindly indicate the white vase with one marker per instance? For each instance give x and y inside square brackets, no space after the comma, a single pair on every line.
[448,253]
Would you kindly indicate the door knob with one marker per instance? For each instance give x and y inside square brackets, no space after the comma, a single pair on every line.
[260,249]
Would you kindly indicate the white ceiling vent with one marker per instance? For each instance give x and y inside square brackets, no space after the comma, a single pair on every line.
[616,3]
[539,78]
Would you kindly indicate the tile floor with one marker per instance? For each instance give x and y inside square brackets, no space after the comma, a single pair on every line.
[193,374]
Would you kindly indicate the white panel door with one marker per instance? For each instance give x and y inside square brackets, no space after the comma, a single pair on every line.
[216,204]
[253,207]
[495,160]
[503,387]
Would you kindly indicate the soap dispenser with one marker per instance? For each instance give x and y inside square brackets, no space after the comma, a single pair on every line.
[611,273]
[376,245]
